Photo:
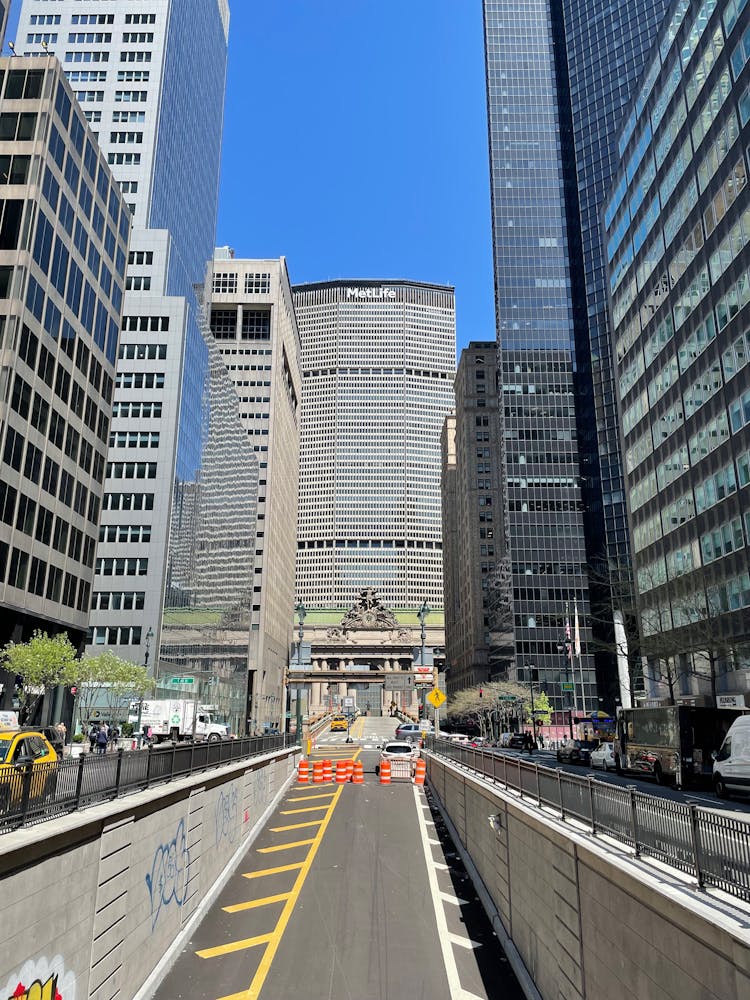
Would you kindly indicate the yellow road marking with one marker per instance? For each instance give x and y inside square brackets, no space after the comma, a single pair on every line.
[284,847]
[307,809]
[253,903]
[227,949]
[253,991]
[307,798]
[274,871]
[295,826]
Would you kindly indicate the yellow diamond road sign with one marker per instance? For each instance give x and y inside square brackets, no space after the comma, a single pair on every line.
[436,697]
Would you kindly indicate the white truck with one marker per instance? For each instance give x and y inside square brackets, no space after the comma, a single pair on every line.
[176,720]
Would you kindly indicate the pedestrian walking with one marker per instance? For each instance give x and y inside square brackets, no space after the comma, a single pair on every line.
[114,736]
[93,733]
[528,743]
[541,741]
[101,741]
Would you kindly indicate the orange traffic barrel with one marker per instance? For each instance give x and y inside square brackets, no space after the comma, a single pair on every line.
[420,772]
[349,769]
[385,772]
[341,775]
[317,772]
[327,770]
[358,773]
[304,772]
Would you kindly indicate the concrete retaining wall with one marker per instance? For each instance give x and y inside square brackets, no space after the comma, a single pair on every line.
[96,898]
[587,921]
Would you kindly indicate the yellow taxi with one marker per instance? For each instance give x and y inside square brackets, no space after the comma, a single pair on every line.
[339,724]
[20,748]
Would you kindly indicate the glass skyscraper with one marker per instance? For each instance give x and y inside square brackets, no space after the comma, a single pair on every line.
[559,75]
[150,79]
[536,305]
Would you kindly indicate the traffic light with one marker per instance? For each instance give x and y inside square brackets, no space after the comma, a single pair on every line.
[480,692]
[74,690]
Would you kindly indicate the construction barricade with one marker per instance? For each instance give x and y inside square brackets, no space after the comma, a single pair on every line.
[420,771]
[317,772]
[327,770]
[358,773]
[341,772]
[303,773]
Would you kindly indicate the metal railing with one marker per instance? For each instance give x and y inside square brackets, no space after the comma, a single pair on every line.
[32,793]
[712,847]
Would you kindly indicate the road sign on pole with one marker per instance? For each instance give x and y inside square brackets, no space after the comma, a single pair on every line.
[567,686]
[182,680]
[436,698]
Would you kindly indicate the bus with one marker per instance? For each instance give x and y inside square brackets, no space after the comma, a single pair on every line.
[672,744]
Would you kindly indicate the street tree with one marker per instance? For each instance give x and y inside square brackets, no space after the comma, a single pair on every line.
[40,664]
[487,706]
[109,681]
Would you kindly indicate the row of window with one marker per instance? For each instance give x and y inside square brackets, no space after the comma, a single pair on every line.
[33,575]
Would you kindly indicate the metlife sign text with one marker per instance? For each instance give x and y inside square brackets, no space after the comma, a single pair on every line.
[371,293]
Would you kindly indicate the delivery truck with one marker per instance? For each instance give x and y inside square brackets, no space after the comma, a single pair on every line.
[176,720]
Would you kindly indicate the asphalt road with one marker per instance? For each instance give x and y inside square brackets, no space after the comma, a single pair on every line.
[359,897]
[701,797]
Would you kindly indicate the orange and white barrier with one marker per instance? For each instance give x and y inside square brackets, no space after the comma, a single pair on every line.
[358,773]
[341,772]
[327,770]
[349,769]
[385,772]
[420,772]
[317,772]
[303,772]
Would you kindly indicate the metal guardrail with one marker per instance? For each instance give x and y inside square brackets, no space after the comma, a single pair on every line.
[711,847]
[31,793]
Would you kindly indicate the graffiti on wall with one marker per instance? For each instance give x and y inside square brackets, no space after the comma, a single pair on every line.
[41,979]
[167,880]
[227,815]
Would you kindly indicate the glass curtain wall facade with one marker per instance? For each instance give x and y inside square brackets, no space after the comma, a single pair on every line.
[378,362]
[150,80]
[211,560]
[61,292]
[678,227]
[539,300]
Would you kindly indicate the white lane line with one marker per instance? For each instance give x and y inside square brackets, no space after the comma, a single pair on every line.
[464,942]
[450,898]
[449,959]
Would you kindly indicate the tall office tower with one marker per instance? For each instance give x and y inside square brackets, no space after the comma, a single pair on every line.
[476,567]
[63,246]
[4,8]
[378,361]
[253,321]
[151,80]
[606,53]
[678,229]
[211,562]
[539,306]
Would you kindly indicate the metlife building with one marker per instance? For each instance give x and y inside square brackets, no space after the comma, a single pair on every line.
[378,363]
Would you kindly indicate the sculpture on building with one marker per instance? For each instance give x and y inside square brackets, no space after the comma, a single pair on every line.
[369,611]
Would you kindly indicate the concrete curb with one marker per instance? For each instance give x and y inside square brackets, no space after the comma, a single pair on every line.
[522,974]
[171,955]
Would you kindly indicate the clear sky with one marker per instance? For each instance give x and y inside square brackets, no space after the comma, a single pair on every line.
[355,144]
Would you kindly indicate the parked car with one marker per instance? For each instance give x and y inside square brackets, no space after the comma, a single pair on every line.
[20,749]
[576,751]
[54,736]
[604,757]
[398,750]
[517,741]
[413,730]
[731,771]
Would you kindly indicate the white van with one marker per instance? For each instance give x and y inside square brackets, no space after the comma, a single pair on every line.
[732,762]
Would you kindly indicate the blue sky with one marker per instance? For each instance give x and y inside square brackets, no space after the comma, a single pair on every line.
[355,144]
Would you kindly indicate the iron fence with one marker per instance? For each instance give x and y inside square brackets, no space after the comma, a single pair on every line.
[32,793]
[710,846]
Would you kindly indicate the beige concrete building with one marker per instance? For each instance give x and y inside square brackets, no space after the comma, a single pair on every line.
[252,317]
[476,570]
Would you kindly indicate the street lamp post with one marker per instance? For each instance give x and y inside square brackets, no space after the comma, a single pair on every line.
[149,637]
[301,611]
[530,668]
[422,614]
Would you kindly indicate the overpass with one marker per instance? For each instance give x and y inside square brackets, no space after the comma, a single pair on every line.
[240,882]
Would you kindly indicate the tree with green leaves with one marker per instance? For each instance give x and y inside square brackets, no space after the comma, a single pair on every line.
[41,663]
[109,679]
[484,707]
